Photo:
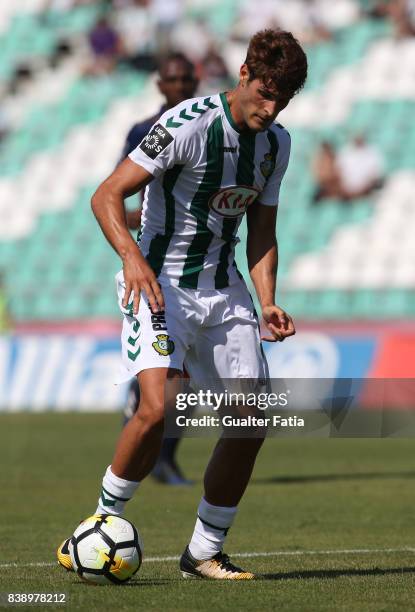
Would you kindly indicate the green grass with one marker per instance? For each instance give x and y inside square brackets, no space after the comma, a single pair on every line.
[306,495]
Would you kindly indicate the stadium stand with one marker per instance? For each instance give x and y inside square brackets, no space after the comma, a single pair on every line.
[34,35]
[338,261]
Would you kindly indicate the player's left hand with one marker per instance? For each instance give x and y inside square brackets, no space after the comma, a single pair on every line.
[278,323]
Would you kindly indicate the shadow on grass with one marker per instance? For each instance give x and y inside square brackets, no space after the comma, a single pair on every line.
[139,582]
[332,477]
[336,573]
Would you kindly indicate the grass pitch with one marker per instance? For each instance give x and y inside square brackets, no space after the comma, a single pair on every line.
[337,517]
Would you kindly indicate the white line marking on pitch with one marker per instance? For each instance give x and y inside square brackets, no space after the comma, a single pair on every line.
[277,553]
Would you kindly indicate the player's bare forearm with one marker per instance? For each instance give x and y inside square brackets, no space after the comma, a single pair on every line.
[262,254]
[261,251]
[109,210]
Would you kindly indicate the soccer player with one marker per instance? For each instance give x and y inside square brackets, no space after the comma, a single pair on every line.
[177,82]
[205,163]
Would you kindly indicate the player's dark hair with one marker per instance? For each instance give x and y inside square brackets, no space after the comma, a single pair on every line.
[278,60]
[174,56]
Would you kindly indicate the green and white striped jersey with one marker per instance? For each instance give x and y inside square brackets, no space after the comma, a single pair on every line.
[206,173]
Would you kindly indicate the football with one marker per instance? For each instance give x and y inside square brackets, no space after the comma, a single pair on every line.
[106,549]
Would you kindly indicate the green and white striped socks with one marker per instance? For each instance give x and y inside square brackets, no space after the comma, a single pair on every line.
[115,493]
[212,525]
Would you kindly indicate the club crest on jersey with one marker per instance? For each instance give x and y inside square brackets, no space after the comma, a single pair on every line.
[267,165]
[163,345]
[156,141]
[233,201]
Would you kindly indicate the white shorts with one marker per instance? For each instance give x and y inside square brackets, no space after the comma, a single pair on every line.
[214,334]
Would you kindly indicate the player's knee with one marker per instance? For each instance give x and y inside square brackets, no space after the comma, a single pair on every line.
[150,416]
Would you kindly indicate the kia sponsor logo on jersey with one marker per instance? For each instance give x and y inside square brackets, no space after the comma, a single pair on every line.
[156,141]
[233,201]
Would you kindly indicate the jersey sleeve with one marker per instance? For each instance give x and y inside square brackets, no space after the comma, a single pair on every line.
[271,192]
[161,149]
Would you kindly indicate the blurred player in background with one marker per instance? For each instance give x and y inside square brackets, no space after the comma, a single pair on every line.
[177,82]
[206,162]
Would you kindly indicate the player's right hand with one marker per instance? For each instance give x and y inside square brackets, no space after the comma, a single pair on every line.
[139,276]
[279,325]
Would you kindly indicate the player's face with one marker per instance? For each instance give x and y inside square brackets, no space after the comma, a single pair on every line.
[177,82]
[259,106]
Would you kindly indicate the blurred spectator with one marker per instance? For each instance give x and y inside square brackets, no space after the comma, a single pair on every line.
[251,20]
[106,47]
[352,173]
[326,173]
[361,168]
[167,15]
[346,13]
[136,23]
[315,28]
[310,20]
[214,74]
[400,12]
[193,38]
